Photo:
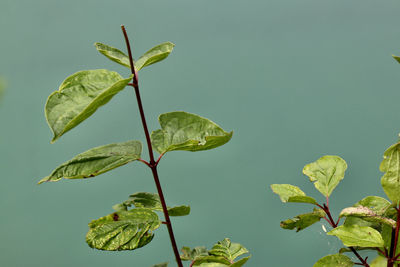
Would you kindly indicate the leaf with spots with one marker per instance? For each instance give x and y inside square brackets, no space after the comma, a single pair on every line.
[124,230]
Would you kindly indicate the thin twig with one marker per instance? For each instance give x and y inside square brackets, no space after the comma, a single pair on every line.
[152,164]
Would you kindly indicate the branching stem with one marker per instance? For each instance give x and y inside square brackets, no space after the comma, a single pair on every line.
[394,241]
[151,164]
[325,207]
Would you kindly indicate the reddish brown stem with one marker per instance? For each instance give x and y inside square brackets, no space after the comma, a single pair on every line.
[393,245]
[145,162]
[152,164]
[325,207]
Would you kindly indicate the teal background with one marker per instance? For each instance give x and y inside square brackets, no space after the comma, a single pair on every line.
[295,80]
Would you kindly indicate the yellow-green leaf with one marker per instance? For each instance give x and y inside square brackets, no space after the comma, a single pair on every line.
[326,173]
[391,167]
[223,254]
[96,161]
[379,262]
[114,54]
[335,260]
[303,221]
[360,236]
[396,58]
[124,230]
[291,193]
[154,55]
[79,96]
[185,131]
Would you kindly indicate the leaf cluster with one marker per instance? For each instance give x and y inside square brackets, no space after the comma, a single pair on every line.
[367,225]
[222,254]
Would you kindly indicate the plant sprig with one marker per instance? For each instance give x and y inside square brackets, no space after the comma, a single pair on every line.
[134,221]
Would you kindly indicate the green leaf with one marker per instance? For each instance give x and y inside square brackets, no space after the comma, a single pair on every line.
[124,230]
[228,250]
[377,204]
[366,214]
[335,260]
[291,193]
[165,264]
[240,262]
[185,131]
[114,54]
[303,221]
[79,96]
[391,166]
[151,201]
[361,236]
[189,254]
[223,254]
[154,55]
[326,172]
[211,261]
[96,161]
[396,58]
[379,262]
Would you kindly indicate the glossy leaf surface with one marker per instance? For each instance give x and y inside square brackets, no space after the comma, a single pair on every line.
[151,201]
[391,167]
[96,161]
[291,193]
[185,131]
[361,236]
[124,230]
[154,55]
[326,173]
[303,221]
[335,260]
[114,54]
[79,96]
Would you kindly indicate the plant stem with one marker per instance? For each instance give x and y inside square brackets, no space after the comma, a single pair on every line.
[394,242]
[325,207]
[152,164]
